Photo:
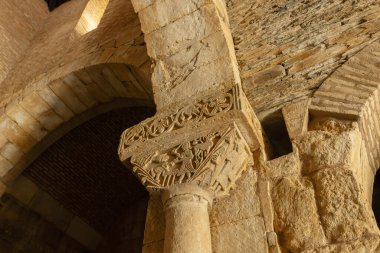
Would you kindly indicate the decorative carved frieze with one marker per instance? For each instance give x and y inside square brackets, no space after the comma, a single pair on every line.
[207,142]
[204,108]
[213,160]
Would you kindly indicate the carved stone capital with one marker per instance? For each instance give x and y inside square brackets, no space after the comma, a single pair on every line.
[208,143]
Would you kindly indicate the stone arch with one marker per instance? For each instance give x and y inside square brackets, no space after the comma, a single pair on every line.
[352,92]
[38,110]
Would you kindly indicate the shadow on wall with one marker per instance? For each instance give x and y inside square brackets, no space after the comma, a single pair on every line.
[277,135]
[376,198]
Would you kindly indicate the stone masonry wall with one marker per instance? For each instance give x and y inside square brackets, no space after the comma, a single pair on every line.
[25,231]
[286,48]
[320,195]
[59,50]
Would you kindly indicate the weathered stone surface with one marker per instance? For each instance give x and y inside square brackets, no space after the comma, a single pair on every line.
[287,165]
[365,245]
[242,203]
[296,116]
[306,39]
[155,222]
[344,213]
[246,235]
[297,222]
[320,149]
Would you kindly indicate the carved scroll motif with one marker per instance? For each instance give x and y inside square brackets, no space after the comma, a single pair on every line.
[215,160]
[202,109]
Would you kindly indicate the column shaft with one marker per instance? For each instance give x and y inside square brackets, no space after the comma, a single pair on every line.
[187,224]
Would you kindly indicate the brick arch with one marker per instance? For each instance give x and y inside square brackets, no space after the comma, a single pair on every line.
[352,92]
[38,111]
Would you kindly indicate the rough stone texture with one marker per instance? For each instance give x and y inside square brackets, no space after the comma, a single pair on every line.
[320,191]
[344,213]
[187,41]
[237,223]
[352,92]
[286,49]
[296,215]
[296,116]
[240,236]
[315,199]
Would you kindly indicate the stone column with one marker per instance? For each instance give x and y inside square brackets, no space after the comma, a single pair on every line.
[192,153]
[187,220]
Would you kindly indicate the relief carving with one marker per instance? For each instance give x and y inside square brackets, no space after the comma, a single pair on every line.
[214,160]
[202,109]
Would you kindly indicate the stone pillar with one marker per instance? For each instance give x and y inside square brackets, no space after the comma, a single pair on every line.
[187,220]
[193,152]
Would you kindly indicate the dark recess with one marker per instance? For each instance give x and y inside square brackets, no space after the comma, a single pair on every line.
[83,172]
[277,134]
[376,198]
[52,4]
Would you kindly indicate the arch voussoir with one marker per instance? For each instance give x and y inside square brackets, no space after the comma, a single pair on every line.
[30,117]
[352,92]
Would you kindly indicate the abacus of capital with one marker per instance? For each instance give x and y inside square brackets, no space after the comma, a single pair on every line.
[191,155]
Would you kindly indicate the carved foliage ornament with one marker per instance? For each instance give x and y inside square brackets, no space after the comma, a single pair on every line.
[215,160]
[202,109]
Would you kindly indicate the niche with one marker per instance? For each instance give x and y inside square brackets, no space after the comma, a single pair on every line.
[277,135]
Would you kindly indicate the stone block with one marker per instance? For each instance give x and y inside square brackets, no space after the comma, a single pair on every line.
[138,5]
[296,116]
[56,103]
[3,140]
[297,222]
[177,68]
[321,149]
[268,74]
[183,32]
[93,88]
[287,165]
[117,85]
[80,90]
[5,166]
[247,235]
[242,203]
[26,121]
[16,134]
[67,96]
[344,213]
[23,189]
[223,77]
[41,111]
[165,12]
[11,152]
